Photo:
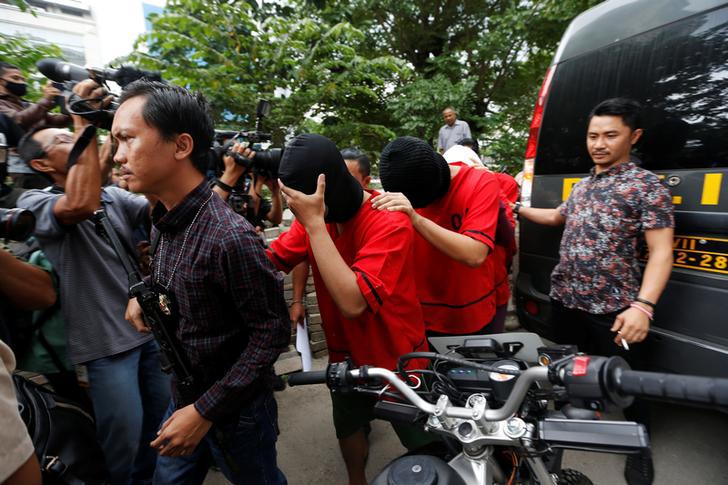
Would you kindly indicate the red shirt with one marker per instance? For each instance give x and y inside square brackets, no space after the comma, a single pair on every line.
[504,255]
[455,298]
[377,246]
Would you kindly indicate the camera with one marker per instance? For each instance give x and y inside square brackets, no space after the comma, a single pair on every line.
[66,75]
[16,224]
[266,159]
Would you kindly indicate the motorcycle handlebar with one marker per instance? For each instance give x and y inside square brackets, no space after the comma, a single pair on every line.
[685,389]
[305,378]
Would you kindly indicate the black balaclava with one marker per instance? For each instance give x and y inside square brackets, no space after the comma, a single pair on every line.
[307,156]
[411,166]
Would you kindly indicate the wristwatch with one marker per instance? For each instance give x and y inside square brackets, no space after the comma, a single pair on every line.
[516,208]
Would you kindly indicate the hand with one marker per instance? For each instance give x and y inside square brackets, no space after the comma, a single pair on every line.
[394,201]
[296,313]
[181,433]
[631,325]
[308,209]
[89,89]
[234,171]
[135,316]
[50,91]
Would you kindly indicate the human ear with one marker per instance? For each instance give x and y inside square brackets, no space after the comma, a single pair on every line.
[184,146]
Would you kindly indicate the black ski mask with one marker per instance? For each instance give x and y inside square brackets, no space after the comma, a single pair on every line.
[411,166]
[307,156]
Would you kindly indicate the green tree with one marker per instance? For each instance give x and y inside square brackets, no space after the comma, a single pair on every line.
[364,71]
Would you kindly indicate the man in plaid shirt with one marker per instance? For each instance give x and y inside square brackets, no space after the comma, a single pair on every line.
[233,321]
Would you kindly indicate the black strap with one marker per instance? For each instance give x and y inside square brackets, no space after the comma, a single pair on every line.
[82,142]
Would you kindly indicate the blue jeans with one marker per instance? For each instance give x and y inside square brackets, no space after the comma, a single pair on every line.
[249,444]
[129,393]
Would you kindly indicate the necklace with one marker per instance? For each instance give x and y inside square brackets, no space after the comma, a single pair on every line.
[164,301]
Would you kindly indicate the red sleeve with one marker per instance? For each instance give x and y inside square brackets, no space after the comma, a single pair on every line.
[508,186]
[383,258]
[481,219]
[289,249]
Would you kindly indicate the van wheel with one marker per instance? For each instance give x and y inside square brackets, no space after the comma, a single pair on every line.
[567,476]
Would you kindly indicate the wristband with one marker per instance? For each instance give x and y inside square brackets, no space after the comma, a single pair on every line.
[223,185]
[646,302]
[637,307]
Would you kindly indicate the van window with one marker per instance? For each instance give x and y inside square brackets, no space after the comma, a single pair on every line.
[679,72]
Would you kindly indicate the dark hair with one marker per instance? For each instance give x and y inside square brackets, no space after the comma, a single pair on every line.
[628,109]
[365,166]
[28,148]
[4,66]
[470,143]
[173,110]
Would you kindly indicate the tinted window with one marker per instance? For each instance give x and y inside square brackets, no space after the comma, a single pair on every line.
[680,73]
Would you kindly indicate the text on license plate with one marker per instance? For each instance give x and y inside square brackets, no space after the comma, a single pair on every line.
[701,253]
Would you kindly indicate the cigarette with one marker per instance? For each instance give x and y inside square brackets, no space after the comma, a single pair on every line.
[625,345]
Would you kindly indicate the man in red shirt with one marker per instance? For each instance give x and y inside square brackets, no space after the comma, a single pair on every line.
[454,210]
[362,269]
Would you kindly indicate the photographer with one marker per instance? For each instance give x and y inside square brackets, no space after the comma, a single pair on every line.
[127,387]
[224,295]
[258,209]
[27,115]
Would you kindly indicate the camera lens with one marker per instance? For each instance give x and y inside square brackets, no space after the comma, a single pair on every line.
[16,224]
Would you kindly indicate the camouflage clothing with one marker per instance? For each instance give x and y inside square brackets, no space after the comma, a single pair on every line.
[606,216]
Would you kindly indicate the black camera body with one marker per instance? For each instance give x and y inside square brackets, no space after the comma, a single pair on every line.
[66,75]
[16,224]
[266,160]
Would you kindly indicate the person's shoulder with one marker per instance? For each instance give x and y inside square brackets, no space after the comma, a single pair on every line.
[461,122]
[36,196]
[122,195]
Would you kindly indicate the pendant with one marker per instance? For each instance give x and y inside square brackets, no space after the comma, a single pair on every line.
[164,304]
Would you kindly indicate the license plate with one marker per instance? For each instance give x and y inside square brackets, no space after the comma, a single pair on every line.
[701,253]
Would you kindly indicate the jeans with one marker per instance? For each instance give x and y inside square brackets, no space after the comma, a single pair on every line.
[129,393]
[248,444]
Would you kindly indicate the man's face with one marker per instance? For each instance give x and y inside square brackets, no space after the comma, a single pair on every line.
[147,159]
[449,116]
[355,171]
[56,143]
[13,76]
[609,140]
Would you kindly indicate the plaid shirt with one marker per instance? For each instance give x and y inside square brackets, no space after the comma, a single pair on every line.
[606,217]
[233,318]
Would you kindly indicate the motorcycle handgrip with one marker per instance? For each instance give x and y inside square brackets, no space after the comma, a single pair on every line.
[709,391]
[305,378]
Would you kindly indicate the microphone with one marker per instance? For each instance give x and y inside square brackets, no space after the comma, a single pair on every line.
[59,71]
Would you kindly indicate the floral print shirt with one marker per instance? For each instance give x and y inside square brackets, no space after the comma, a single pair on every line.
[606,216]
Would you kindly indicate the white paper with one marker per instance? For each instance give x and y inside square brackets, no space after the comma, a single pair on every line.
[302,345]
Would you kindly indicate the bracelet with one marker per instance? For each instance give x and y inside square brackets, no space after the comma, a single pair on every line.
[637,307]
[293,302]
[646,302]
[223,185]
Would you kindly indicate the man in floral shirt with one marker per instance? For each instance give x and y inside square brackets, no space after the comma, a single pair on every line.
[599,295]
